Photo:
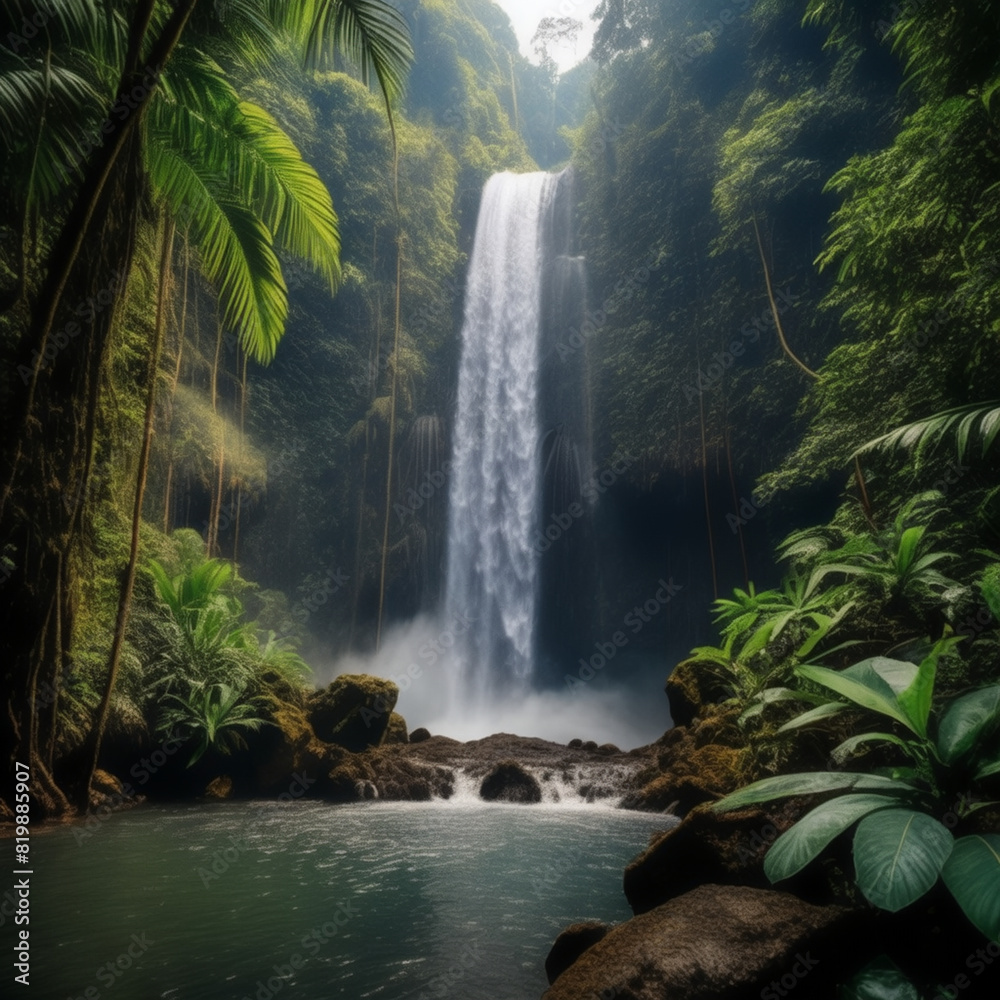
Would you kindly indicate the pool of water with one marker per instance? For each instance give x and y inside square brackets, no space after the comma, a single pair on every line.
[311,901]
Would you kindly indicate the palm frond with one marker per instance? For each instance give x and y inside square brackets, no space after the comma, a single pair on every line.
[370,33]
[976,420]
[235,250]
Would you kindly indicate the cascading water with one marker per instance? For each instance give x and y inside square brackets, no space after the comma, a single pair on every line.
[493,567]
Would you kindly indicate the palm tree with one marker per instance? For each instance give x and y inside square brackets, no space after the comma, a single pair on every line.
[176,137]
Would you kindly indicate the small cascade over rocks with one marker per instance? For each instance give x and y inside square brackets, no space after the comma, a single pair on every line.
[501,768]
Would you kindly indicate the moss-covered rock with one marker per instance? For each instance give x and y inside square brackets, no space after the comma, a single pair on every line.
[420,735]
[396,731]
[220,788]
[690,689]
[694,764]
[285,748]
[379,774]
[353,711]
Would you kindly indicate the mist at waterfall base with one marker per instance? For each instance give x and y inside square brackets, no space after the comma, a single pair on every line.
[516,645]
[623,703]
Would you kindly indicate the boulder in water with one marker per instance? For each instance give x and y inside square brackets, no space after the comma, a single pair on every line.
[717,941]
[420,735]
[353,711]
[285,748]
[570,945]
[510,782]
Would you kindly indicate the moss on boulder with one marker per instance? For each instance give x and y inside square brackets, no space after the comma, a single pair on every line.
[689,691]
[353,711]
[396,731]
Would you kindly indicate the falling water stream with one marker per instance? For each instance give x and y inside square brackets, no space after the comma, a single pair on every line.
[492,570]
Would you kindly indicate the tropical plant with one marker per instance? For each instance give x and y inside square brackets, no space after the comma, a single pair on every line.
[880,979]
[898,565]
[751,660]
[215,715]
[747,669]
[902,845]
[965,424]
[219,166]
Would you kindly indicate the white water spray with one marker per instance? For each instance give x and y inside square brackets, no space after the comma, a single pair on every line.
[492,574]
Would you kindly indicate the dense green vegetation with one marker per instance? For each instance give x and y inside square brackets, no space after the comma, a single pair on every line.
[787,212]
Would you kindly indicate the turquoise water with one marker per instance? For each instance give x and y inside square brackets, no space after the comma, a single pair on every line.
[375,900]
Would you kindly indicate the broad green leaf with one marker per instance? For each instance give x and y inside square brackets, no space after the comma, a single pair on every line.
[966,721]
[988,770]
[757,641]
[898,675]
[795,848]
[881,979]
[972,875]
[898,856]
[817,714]
[847,748]
[870,684]
[916,700]
[811,783]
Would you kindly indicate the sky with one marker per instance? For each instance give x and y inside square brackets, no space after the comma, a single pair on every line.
[525,14]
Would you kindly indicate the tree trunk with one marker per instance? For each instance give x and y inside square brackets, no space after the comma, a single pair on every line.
[49,442]
[125,596]
[168,423]
[395,382]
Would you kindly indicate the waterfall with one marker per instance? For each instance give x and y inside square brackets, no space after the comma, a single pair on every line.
[495,499]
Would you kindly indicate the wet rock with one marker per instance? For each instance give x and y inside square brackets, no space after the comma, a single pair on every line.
[608,749]
[510,782]
[380,775]
[575,744]
[714,942]
[219,788]
[420,735]
[707,847]
[590,745]
[353,711]
[694,764]
[570,945]
[396,730]
[283,749]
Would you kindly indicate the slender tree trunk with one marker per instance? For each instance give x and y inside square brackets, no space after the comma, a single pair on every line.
[215,506]
[239,486]
[395,382]
[125,596]
[774,307]
[736,509]
[513,93]
[55,407]
[174,382]
[65,254]
[704,482]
